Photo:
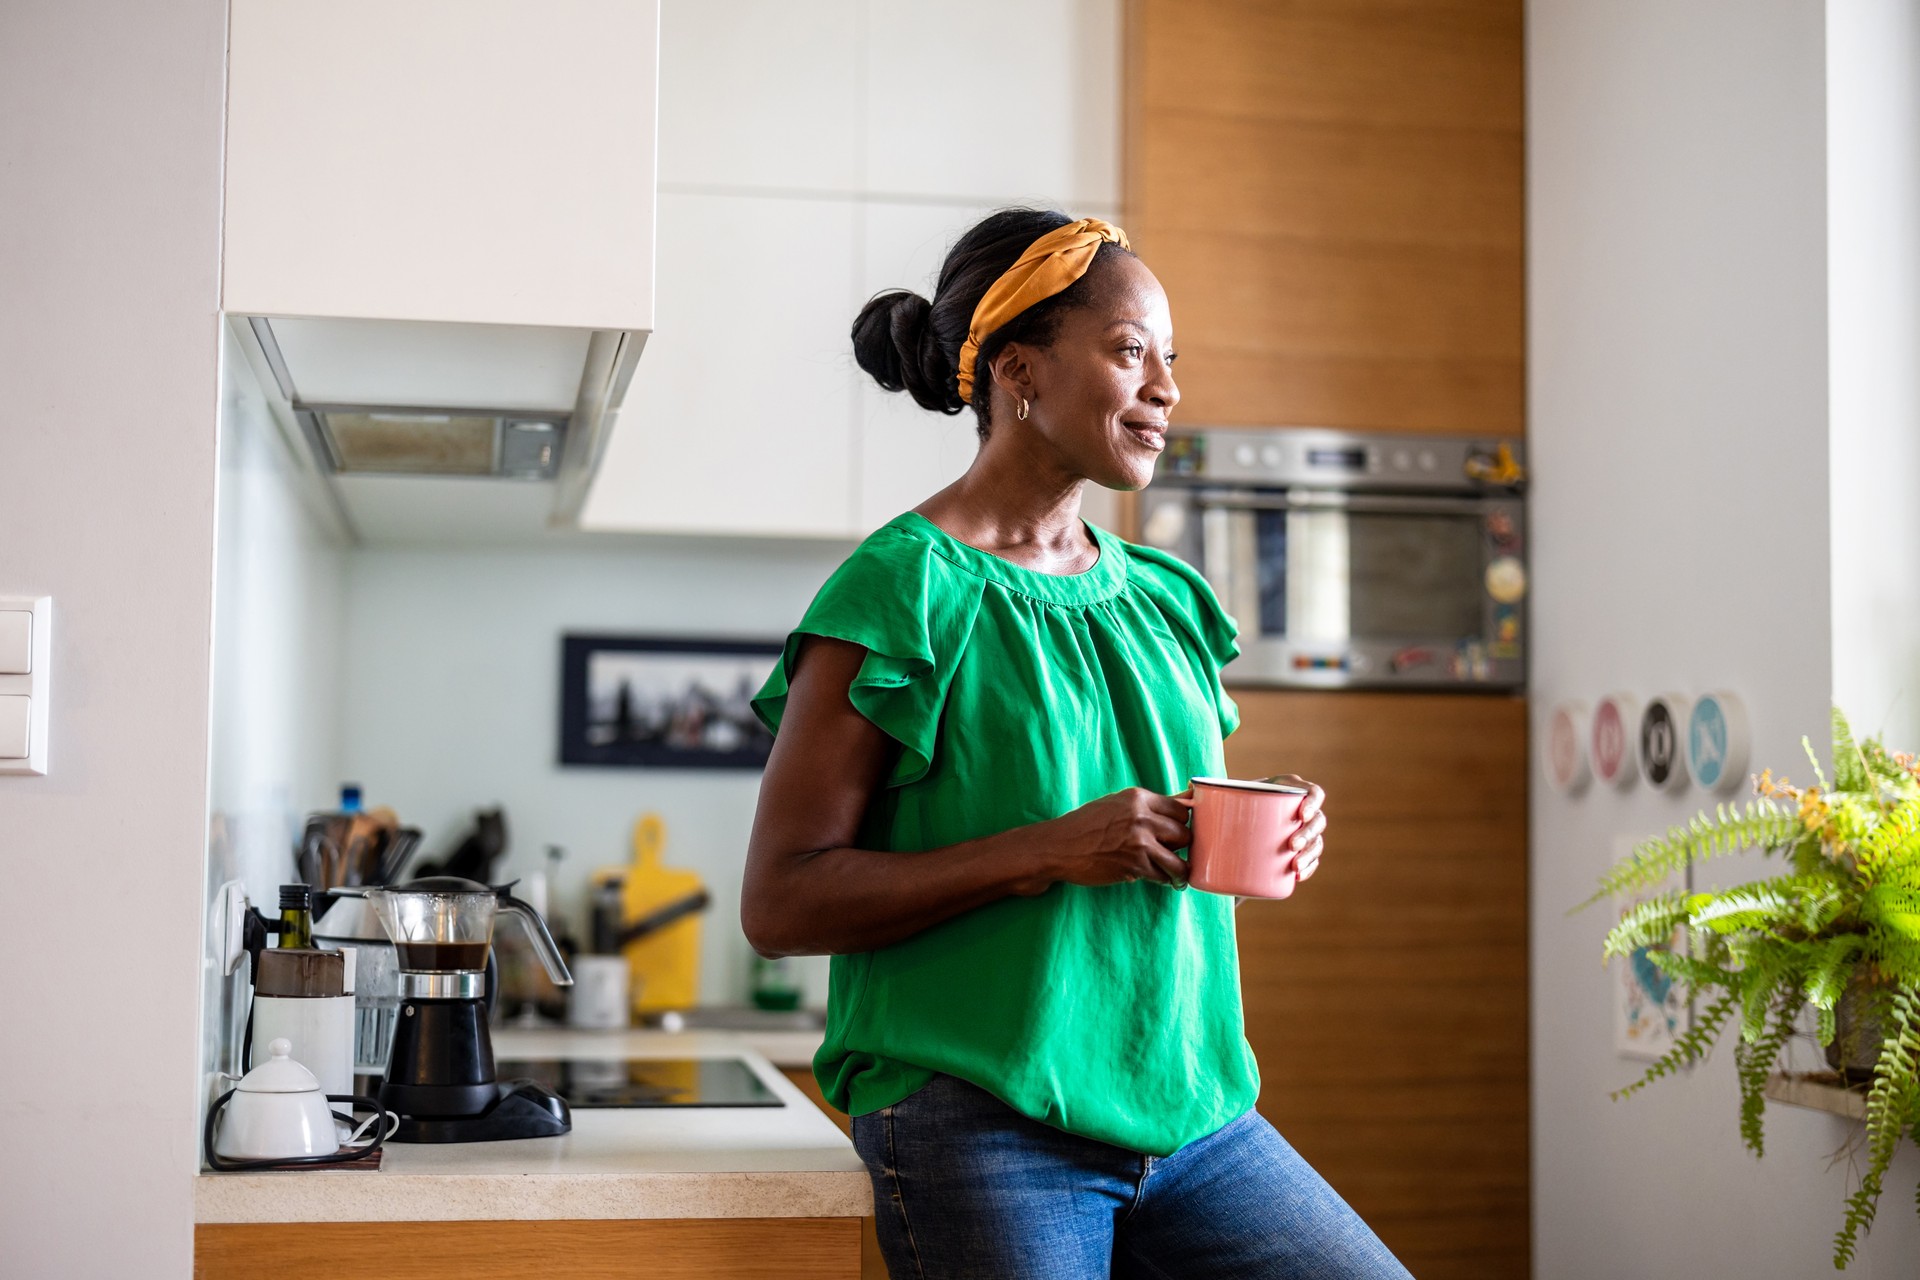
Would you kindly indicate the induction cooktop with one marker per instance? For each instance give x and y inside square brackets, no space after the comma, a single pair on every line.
[644,1082]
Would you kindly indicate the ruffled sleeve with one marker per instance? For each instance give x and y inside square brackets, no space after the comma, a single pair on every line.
[912,613]
[1189,606]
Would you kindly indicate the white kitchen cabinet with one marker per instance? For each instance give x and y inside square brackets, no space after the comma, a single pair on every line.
[761,94]
[906,452]
[740,418]
[1001,100]
[483,161]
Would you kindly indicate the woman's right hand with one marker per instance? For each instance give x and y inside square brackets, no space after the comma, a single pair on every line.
[1129,835]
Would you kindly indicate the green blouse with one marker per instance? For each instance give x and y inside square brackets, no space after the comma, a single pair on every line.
[1017,696]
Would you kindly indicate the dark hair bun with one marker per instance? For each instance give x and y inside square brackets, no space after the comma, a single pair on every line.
[893,340]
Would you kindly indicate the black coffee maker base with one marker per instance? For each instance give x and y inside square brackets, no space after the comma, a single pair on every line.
[525,1109]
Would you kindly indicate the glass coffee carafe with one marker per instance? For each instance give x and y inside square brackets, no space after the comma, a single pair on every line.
[444,924]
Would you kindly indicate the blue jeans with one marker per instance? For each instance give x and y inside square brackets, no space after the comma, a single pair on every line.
[965,1187]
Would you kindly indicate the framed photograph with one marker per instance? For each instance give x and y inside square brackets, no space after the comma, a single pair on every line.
[1649,1011]
[672,702]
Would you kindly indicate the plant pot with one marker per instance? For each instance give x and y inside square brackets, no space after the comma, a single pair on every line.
[1857,1037]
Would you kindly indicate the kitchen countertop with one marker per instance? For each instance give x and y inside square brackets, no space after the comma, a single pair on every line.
[672,1162]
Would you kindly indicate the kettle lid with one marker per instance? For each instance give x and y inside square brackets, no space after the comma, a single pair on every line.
[281,1073]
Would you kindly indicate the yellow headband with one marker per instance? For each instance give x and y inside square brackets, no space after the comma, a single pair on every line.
[1049,266]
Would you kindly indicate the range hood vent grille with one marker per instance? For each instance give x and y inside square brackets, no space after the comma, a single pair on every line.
[389,440]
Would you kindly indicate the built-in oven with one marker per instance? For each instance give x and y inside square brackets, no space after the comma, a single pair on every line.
[1351,559]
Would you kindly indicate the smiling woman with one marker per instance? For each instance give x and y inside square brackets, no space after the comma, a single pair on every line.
[986,728]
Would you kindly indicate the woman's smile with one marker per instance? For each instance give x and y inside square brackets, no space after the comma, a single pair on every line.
[1150,433]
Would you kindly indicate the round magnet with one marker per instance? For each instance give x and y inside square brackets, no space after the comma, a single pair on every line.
[1615,740]
[1663,728]
[1567,733]
[1717,741]
[1507,579]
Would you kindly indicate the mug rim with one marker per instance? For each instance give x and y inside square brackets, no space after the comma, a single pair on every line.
[1283,788]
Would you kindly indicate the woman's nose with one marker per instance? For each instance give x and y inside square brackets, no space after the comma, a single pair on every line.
[1162,390]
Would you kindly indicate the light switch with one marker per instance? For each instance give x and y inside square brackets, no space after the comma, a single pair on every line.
[26,657]
[16,642]
[15,716]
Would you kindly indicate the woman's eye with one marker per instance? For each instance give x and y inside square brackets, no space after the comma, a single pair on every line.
[1134,350]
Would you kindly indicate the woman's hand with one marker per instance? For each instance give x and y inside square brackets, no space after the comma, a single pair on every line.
[1129,835]
[1306,843]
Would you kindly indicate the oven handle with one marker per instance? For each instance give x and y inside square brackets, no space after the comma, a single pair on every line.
[1337,500]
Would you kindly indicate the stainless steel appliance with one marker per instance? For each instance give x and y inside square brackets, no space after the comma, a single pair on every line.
[1353,559]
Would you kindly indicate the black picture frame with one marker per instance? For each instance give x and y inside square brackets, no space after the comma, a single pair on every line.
[671,718]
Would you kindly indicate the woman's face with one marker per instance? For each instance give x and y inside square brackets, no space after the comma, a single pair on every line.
[1102,393]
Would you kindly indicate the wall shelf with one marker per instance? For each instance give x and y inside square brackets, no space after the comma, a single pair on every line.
[1818,1090]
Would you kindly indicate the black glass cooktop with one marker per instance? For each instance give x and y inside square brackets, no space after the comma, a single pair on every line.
[644,1082]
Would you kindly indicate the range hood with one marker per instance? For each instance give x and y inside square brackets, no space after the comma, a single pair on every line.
[452,403]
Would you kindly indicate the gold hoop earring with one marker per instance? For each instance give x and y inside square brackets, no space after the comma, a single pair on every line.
[1021,412]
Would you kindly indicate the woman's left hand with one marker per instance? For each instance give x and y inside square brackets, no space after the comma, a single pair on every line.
[1306,843]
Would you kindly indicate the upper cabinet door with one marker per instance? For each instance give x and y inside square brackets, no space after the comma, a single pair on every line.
[740,417]
[995,101]
[454,160]
[906,453]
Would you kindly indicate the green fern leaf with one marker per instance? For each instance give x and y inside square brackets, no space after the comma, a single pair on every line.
[1761,824]
[1645,924]
[1690,1048]
[1849,766]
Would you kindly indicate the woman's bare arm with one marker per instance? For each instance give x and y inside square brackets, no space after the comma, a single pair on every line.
[809,892]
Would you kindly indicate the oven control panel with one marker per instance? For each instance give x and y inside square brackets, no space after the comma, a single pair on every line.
[1344,460]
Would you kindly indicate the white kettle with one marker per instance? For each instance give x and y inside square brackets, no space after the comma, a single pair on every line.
[277,1112]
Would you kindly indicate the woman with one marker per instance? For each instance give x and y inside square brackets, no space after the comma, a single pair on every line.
[986,727]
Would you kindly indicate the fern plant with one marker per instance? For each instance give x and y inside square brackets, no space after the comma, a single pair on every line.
[1838,929]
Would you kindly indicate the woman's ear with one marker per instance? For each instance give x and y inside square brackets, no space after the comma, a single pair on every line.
[1013,371]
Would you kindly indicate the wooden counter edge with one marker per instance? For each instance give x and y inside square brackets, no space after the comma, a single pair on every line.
[596,1249]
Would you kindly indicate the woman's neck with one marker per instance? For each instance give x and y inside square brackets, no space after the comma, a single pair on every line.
[1018,504]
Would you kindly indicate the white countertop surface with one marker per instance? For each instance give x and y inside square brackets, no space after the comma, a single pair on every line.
[646,1162]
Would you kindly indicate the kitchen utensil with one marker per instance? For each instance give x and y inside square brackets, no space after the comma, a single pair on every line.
[399,847]
[665,964]
[440,1071]
[1240,831]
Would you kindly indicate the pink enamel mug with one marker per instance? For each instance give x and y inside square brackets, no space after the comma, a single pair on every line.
[1240,830]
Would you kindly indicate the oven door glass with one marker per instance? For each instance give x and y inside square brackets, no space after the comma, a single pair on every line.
[1417,576]
[1329,575]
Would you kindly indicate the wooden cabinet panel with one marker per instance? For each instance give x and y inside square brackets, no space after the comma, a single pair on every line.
[1422,63]
[1332,193]
[872,1265]
[1335,180]
[658,1249]
[1387,1000]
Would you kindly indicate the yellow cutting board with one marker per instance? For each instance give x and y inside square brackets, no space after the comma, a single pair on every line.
[664,968]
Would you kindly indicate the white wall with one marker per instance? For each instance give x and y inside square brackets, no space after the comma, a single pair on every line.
[109,338]
[279,614]
[1873,212]
[451,703]
[1678,407]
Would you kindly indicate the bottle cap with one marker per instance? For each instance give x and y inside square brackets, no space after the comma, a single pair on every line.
[349,797]
[296,897]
